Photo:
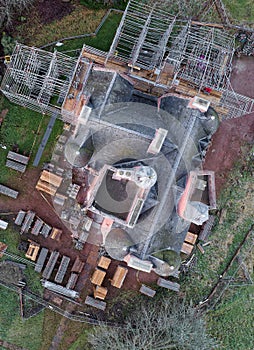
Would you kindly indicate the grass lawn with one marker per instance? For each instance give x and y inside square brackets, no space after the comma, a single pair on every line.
[27,334]
[101,41]
[232,322]
[241,10]
[80,21]
[25,128]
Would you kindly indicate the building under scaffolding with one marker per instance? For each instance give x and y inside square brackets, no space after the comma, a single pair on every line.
[152,51]
[151,39]
[38,79]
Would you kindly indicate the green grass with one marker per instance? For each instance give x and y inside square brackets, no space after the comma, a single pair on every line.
[25,128]
[27,334]
[241,10]
[232,323]
[101,41]
[9,310]
[101,4]
[80,21]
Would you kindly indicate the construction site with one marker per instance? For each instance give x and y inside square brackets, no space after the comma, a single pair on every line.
[126,178]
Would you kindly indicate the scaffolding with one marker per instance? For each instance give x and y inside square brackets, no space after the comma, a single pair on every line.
[38,79]
[142,35]
[149,37]
[202,56]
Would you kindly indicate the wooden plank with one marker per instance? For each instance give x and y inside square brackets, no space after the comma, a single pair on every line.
[51,178]
[78,265]
[104,262]
[119,276]
[186,248]
[200,248]
[100,292]
[191,238]
[45,187]
[98,277]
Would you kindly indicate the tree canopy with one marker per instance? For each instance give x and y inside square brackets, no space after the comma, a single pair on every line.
[8,9]
[167,324]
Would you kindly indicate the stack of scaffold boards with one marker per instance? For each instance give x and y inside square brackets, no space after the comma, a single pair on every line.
[7,191]
[48,182]
[17,161]
[30,223]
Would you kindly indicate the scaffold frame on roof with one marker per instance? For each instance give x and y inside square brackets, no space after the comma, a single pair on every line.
[203,56]
[34,77]
[148,37]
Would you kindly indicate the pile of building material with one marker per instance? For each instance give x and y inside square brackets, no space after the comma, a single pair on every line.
[26,219]
[49,182]
[72,281]
[189,243]
[41,260]
[206,229]
[7,191]
[56,234]
[45,230]
[37,227]
[73,190]
[50,265]
[77,266]
[20,217]
[27,223]
[3,225]
[32,251]
[168,284]
[17,161]
[69,293]
[3,248]
[62,269]
[98,304]
[119,276]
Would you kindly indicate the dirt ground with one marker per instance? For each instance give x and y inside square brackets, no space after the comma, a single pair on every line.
[242,77]
[228,145]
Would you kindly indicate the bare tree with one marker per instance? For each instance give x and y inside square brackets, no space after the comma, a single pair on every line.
[9,8]
[163,325]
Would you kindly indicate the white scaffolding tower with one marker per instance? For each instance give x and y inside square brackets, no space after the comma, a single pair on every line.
[38,79]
